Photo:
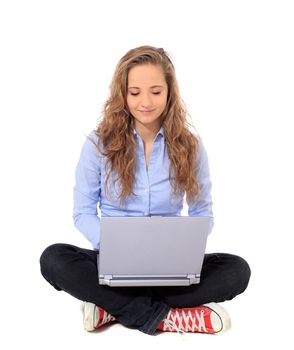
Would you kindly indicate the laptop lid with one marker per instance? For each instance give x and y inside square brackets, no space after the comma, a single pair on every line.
[151,251]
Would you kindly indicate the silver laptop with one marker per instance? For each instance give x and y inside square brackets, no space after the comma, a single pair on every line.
[151,251]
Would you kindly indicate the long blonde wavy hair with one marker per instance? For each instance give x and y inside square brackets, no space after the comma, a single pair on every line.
[115,131]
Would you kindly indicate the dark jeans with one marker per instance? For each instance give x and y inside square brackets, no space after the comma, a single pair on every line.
[74,270]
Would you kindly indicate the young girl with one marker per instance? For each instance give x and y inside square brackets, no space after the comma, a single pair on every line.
[141,161]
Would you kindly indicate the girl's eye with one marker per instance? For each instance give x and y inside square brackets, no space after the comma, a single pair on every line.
[137,93]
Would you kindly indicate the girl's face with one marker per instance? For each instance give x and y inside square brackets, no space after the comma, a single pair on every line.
[147,95]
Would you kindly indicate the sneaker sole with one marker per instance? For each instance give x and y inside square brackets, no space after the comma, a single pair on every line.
[89,311]
[223,315]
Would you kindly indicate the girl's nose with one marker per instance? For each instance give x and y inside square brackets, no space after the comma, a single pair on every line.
[146,101]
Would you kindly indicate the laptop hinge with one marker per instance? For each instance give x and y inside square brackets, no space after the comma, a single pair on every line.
[105,279]
[110,280]
[193,278]
[108,277]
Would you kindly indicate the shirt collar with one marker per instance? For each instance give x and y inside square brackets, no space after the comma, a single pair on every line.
[160,132]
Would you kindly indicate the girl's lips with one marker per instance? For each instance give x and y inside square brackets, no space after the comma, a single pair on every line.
[149,111]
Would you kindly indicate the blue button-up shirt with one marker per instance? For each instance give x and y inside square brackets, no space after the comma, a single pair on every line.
[154,194]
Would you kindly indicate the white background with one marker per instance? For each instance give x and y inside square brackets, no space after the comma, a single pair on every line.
[234,62]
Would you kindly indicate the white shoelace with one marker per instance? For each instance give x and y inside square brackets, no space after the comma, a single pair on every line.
[105,319]
[170,322]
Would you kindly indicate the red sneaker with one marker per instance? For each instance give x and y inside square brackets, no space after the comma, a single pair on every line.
[95,317]
[208,318]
